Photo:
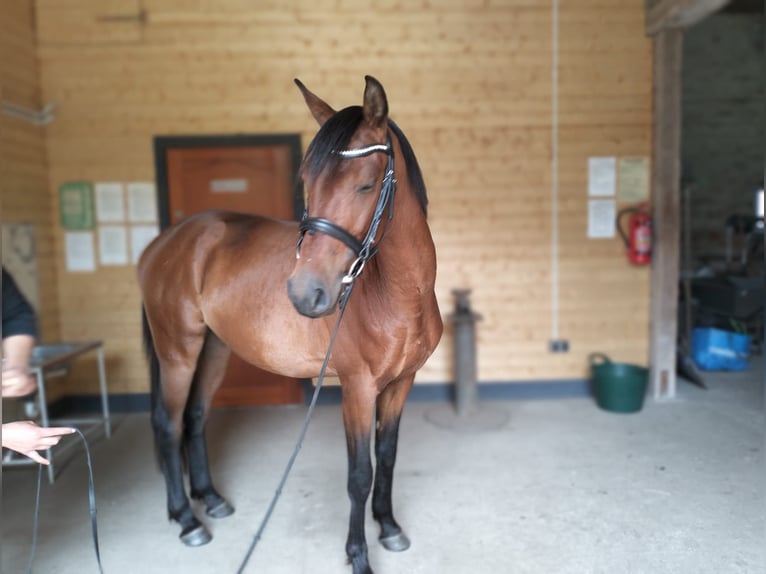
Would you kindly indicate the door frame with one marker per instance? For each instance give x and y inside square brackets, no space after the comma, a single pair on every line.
[164,143]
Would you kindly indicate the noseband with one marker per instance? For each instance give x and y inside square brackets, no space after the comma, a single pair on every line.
[364,250]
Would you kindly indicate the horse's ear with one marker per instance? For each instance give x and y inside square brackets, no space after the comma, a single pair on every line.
[375,102]
[318,108]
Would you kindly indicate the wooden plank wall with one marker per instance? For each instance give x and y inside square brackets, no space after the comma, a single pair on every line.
[24,184]
[469,82]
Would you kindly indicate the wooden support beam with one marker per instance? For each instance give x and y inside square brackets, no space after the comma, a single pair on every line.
[666,178]
[667,14]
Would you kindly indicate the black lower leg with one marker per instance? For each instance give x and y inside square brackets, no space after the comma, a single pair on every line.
[168,450]
[200,481]
[386,440]
[359,485]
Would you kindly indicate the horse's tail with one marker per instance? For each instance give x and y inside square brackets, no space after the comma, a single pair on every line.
[158,412]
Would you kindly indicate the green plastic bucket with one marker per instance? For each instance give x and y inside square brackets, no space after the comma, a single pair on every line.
[618,387]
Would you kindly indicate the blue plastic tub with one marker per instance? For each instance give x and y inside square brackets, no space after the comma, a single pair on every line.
[719,350]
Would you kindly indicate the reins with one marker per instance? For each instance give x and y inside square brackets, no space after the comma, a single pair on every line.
[364,251]
[91,504]
[302,435]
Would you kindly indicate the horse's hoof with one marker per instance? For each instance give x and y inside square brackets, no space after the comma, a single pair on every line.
[197,536]
[396,543]
[221,510]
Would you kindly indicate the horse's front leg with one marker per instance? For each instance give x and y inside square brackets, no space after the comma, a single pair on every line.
[390,405]
[358,408]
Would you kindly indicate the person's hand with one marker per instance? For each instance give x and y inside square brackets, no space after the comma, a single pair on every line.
[26,438]
[17,383]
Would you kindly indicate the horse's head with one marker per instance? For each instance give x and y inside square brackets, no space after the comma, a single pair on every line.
[348,167]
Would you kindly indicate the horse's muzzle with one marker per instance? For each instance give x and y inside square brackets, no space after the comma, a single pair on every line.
[311,297]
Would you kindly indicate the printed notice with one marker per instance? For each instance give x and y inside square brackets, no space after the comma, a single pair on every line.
[601,176]
[634,179]
[142,202]
[79,251]
[601,213]
[113,245]
[110,202]
[140,237]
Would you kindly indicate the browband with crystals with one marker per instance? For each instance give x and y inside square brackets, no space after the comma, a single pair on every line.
[363,151]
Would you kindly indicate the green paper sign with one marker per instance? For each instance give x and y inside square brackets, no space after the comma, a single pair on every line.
[76,205]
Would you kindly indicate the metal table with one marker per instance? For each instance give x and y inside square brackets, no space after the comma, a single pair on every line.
[55,358]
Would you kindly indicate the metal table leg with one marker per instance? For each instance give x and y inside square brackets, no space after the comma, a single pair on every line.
[43,401]
[104,394]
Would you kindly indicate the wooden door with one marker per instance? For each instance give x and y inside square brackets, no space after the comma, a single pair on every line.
[253,179]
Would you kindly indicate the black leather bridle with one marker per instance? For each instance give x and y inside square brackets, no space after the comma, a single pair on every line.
[364,250]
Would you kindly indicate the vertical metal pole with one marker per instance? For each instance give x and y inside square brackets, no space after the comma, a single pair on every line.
[43,400]
[104,394]
[464,320]
[555,172]
[468,413]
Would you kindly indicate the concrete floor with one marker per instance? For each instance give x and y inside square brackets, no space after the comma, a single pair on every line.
[562,488]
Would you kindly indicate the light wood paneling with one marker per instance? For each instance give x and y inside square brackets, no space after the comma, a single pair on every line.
[470,84]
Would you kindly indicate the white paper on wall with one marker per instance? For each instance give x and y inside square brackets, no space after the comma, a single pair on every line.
[110,202]
[601,214]
[140,237]
[113,245]
[601,176]
[80,254]
[142,202]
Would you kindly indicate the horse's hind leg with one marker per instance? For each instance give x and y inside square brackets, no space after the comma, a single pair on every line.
[166,420]
[211,368]
[389,410]
[173,370]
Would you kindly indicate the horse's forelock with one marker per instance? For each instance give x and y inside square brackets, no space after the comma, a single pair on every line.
[335,135]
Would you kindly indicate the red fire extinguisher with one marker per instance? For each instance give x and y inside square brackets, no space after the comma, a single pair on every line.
[638,240]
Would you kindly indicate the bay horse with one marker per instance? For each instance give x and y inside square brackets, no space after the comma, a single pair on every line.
[221,282]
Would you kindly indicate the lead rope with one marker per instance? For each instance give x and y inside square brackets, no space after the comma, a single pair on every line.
[91,503]
[302,435]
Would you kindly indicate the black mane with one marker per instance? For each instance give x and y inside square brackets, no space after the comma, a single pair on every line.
[336,133]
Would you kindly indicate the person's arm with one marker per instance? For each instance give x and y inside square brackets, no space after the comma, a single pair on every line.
[19,338]
[26,438]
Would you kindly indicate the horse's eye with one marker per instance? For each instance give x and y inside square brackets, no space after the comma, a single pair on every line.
[366,188]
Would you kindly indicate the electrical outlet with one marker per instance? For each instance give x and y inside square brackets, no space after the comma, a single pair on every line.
[558,346]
